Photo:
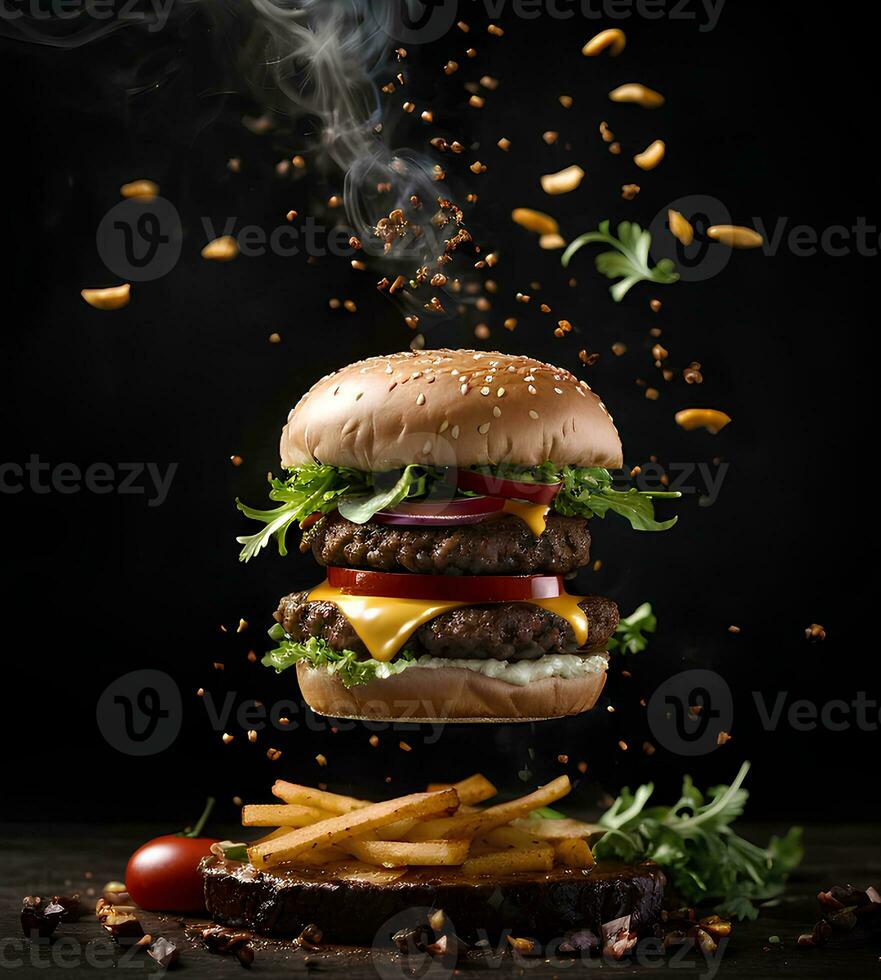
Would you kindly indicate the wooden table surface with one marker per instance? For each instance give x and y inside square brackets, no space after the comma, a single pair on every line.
[53,858]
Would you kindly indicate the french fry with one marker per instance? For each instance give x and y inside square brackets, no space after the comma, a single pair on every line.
[322,856]
[306,796]
[474,789]
[397,830]
[474,825]
[545,829]
[397,854]
[539,858]
[281,815]
[509,836]
[574,853]
[347,825]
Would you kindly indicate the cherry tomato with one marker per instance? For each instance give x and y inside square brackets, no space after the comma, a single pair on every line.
[163,876]
[446,588]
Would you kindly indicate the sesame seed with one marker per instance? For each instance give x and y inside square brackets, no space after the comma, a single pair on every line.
[454,432]
[500,393]
[497,411]
[533,414]
[444,426]
[427,447]
[483,429]
[359,395]
[484,391]
[420,399]
[463,389]
[531,390]
[558,391]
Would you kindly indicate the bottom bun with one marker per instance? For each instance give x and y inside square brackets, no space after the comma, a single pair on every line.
[448,694]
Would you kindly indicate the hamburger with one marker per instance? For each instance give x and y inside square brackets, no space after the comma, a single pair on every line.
[447,493]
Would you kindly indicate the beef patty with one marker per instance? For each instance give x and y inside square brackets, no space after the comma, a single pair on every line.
[504,546]
[501,631]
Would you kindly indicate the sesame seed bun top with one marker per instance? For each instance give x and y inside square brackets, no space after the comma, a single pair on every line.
[450,408]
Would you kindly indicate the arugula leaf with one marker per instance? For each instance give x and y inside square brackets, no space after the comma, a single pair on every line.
[694,842]
[345,664]
[413,482]
[628,636]
[308,490]
[587,492]
[629,260]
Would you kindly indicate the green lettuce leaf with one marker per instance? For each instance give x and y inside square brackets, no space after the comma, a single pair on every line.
[629,636]
[588,492]
[345,664]
[413,482]
[695,844]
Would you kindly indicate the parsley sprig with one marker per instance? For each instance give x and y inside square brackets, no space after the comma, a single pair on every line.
[693,841]
[628,260]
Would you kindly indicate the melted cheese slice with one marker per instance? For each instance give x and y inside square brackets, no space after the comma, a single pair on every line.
[532,515]
[384,625]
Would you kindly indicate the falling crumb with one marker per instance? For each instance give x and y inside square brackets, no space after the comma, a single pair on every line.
[495,30]
[476,102]
[358,265]
[655,332]
[200,693]
[733,629]
[252,657]
[321,759]
[334,201]
[566,101]
[655,305]
[226,738]
[510,323]
[622,745]
[588,359]
[275,338]
[374,740]
[562,759]
[652,394]
[692,374]
[252,735]
[629,191]
[597,565]
[815,632]
[490,83]
[482,331]
[243,623]
[606,133]
[471,52]
[550,137]
[615,148]
[236,460]
[648,748]
[217,665]
[610,708]
[504,144]
[350,305]
[582,767]
[451,67]
[660,353]
[334,303]
[463,27]
[404,747]
[477,167]
[237,801]
[273,754]
[427,116]
[298,162]
[723,738]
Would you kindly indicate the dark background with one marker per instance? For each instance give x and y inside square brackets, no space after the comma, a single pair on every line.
[764,113]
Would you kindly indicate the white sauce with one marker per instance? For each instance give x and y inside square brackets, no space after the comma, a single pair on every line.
[523,672]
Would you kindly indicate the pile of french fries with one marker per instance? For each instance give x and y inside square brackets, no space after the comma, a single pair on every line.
[442,827]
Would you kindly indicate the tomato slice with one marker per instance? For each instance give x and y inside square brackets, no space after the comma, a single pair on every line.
[446,588]
[496,486]
[465,510]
